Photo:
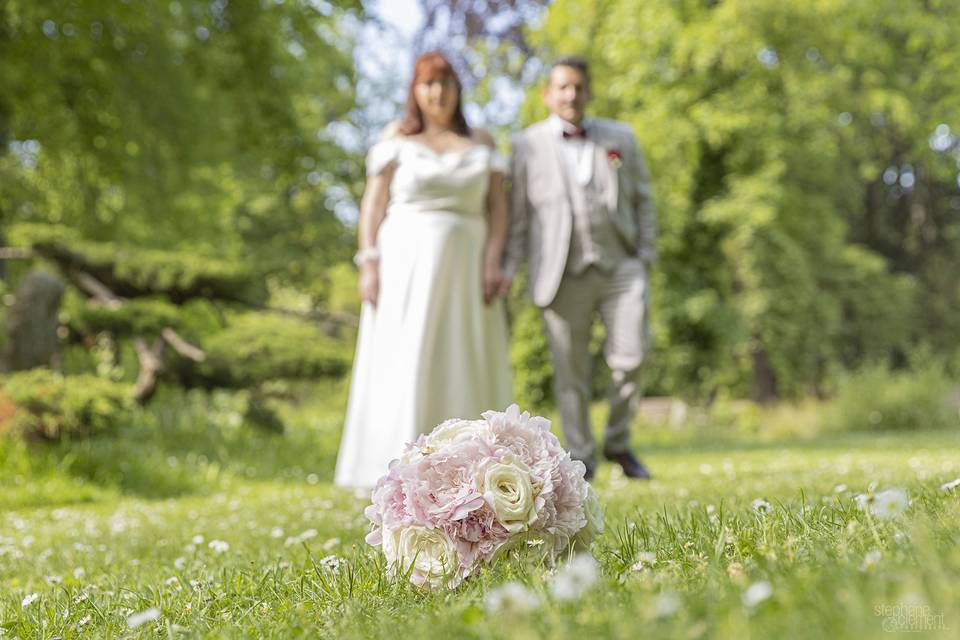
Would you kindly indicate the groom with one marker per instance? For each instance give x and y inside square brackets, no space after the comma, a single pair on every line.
[582,215]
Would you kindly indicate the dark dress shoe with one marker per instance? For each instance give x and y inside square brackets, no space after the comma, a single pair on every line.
[631,465]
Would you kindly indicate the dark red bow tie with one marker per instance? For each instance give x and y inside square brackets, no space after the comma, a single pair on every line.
[578,132]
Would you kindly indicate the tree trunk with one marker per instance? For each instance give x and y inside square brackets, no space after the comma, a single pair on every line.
[764,379]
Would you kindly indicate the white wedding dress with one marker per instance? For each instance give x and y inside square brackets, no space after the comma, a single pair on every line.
[430,349]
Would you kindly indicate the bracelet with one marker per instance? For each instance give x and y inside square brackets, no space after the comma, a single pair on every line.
[366,255]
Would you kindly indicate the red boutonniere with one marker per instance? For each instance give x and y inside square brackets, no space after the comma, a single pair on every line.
[613,156]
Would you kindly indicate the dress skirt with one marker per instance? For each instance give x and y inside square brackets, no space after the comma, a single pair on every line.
[430,350]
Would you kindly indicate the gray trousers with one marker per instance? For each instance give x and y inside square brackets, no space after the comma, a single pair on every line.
[620,297]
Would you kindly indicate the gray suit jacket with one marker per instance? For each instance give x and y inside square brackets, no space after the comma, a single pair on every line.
[540,203]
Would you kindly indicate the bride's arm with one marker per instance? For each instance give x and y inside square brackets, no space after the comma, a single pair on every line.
[373,209]
[493,281]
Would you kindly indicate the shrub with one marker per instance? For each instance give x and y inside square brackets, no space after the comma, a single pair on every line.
[139,316]
[43,403]
[876,399]
[530,357]
[257,348]
[133,272]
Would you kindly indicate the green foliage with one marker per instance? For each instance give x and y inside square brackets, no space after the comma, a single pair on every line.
[257,348]
[45,404]
[529,352]
[139,317]
[875,328]
[180,291]
[185,124]
[184,443]
[340,289]
[877,399]
[133,271]
[807,207]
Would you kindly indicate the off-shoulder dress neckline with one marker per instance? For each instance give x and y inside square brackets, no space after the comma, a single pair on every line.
[441,154]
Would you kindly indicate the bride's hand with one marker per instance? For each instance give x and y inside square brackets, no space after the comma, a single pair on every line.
[492,280]
[369,282]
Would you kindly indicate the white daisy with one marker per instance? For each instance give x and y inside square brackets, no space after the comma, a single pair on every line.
[889,503]
[950,486]
[575,578]
[666,604]
[137,619]
[219,546]
[757,593]
[511,597]
[761,506]
[645,560]
[871,560]
[331,563]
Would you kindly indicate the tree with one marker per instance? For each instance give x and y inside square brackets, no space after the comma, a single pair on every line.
[176,162]
[804,174]
[182,124]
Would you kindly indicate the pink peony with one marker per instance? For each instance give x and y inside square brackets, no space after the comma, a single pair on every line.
[441,487]
[478,537]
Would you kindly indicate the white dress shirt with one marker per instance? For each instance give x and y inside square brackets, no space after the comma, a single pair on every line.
[578,152]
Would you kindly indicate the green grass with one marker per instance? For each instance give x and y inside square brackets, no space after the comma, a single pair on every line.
[106,527]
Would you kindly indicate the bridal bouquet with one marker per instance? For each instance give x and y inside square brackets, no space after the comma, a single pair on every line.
[472,489]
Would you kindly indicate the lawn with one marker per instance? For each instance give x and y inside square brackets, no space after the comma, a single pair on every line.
[192,524]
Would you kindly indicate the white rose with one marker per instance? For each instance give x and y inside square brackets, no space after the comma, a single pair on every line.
[506,486]
[455,430]
[428,552]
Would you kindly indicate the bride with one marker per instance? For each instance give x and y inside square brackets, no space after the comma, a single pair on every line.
[433,222]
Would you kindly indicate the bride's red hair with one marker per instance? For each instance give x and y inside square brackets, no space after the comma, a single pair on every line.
[427,67]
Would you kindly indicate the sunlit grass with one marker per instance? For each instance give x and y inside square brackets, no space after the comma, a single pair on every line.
[224,531]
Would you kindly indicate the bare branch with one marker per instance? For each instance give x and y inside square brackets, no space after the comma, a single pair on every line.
[181,346]
[96,289]
[151,362]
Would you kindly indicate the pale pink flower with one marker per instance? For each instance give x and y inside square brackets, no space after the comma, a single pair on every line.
[441,487]
[462,494]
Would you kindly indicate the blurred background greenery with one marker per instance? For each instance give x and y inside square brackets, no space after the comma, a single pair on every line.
[805,159]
